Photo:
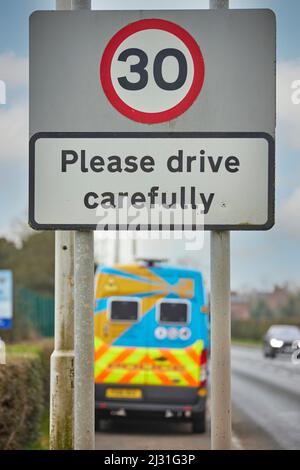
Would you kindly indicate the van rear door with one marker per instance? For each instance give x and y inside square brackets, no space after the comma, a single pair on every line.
[172,362]
[121,362]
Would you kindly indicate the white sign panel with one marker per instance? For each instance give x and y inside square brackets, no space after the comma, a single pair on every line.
[6,299]
[152,180]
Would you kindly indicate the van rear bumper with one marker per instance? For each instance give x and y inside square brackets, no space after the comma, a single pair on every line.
[155,398]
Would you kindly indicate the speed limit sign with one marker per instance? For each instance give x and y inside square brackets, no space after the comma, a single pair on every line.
[168,112]
[152,70]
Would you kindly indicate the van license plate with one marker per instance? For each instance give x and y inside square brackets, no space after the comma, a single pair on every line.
[131,393]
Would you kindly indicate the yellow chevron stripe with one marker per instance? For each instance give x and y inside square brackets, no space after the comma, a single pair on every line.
[151,371]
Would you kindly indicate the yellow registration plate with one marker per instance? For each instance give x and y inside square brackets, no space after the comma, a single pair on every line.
[133,393]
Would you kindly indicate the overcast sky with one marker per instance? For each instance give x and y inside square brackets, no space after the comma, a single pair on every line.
[259,259]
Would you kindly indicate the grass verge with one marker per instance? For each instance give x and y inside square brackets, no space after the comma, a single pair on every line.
[253,343]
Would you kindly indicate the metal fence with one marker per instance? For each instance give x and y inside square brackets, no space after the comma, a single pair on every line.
[33,312]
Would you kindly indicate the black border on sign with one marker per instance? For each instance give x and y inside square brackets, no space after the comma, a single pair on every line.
[140,135]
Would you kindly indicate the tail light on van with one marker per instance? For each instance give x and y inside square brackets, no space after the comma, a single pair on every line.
[203,369]
[203,357]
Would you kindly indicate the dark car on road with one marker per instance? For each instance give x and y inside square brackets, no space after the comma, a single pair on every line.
[281,339]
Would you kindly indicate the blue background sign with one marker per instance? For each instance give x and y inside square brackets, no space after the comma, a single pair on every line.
[6,299]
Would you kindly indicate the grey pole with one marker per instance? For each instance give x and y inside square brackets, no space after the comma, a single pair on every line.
[62,358]
[134,248]
[218,4]
[84,341]
[117,243]
[220,328]
[81,4]
[84,327]
[220,341]
[63,4]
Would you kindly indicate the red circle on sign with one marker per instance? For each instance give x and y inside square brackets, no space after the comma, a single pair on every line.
[161,116]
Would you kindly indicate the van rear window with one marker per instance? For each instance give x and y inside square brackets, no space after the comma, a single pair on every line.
[174,312]
[124,310]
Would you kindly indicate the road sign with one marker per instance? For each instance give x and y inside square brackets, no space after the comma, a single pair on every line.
[167,62]
[153,83]
[151,180]
[6,299]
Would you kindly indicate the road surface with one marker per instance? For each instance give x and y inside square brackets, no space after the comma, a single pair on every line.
[150,435]
[266,400]
[266,412]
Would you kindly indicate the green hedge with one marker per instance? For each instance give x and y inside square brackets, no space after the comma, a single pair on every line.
[255,329]
[24,394]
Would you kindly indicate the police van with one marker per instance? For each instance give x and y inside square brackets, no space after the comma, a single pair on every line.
[151,343]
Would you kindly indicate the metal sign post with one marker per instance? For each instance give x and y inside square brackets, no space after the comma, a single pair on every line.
[84,326]
[62,358]
[84,341]
[220,328]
